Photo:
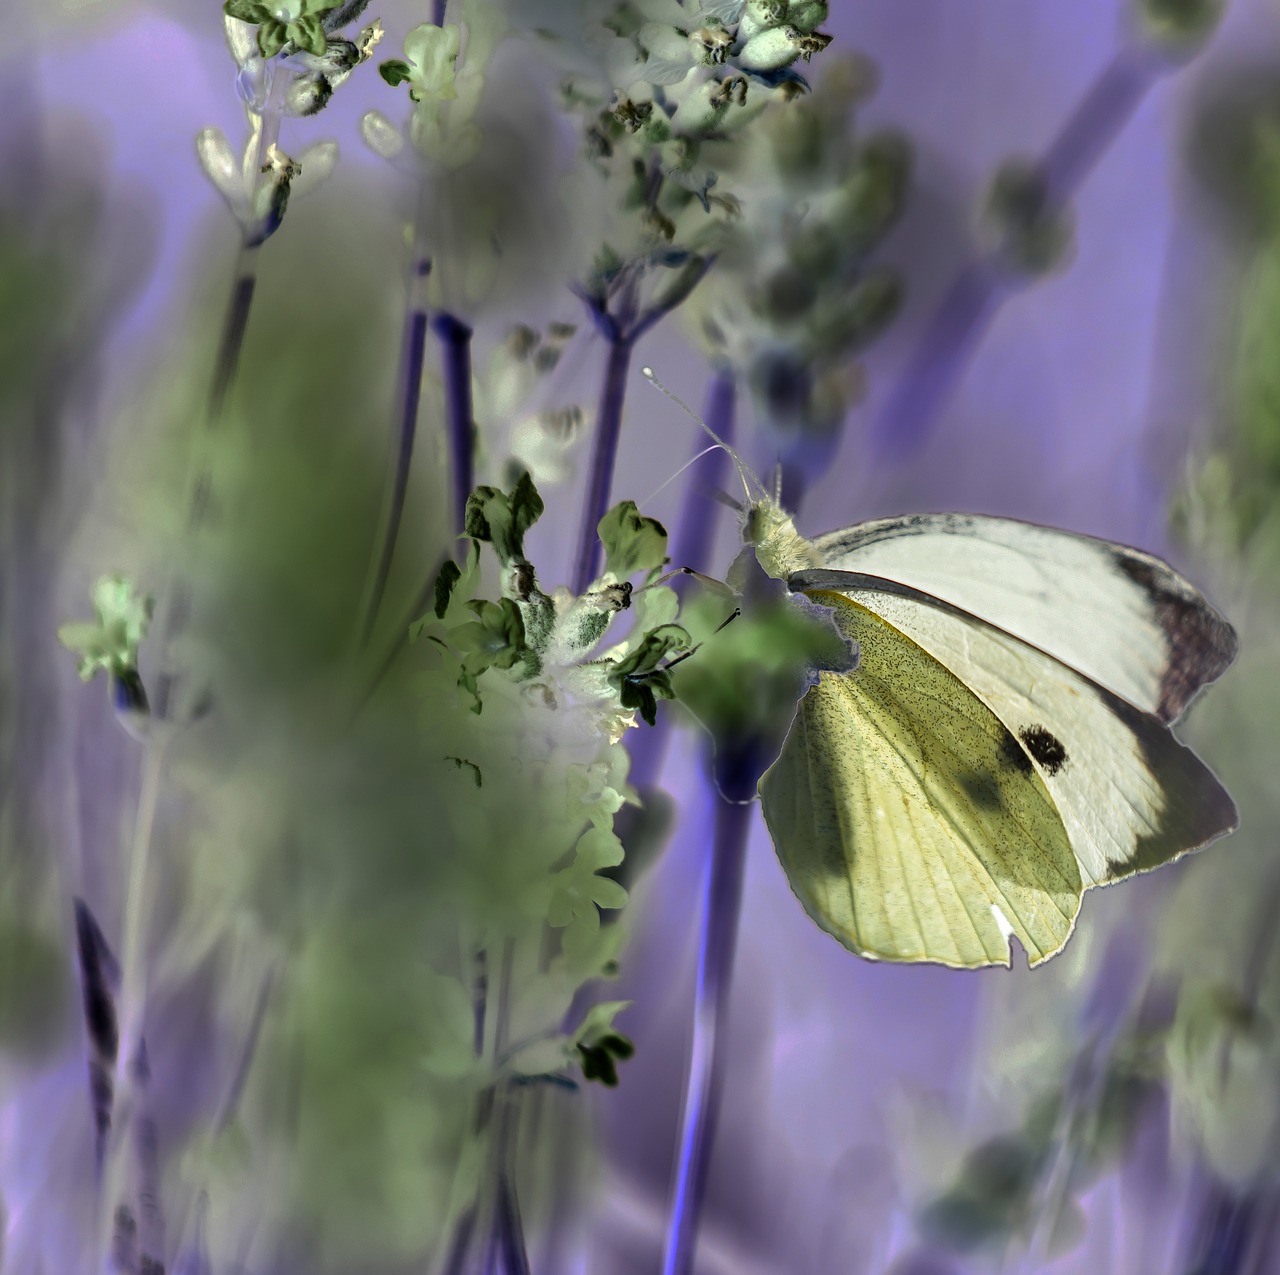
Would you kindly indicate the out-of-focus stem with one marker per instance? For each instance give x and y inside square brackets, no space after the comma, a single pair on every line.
[455,341]
[133,983]
[721,907]
[604,456]
[176,610]
[437,11]
[967,307]
[1098,120]
[938,361]
[413,343]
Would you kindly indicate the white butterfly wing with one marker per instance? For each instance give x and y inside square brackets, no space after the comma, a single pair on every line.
[1121,617]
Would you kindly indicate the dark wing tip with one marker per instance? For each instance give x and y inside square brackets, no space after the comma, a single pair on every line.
[1202,642]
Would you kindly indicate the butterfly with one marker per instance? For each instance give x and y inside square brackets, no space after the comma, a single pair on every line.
[1003,744]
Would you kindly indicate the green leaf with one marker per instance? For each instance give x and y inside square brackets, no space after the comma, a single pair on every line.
[495,639]
[247,11]
[502,520]
[395,72]
[308,34]
[631,541]
[639,678]
[271,38]
[445,582]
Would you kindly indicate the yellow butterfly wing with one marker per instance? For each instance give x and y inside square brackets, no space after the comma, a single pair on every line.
[906,817]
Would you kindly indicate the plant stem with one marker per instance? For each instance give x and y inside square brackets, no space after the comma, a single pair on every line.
[604,456]
[721,907]
[1097,121]
[413,343]
[455,340]
[235,325]
[937,362]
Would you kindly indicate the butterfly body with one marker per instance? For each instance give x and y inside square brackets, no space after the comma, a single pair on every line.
[1003,744]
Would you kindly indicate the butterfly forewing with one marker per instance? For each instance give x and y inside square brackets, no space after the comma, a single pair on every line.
[905,815]
[1123,618]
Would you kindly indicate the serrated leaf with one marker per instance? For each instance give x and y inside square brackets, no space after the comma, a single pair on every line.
[632,542]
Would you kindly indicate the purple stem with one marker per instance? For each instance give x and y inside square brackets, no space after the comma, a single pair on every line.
[937,362]
[437,12]
[951,336]
[515,1258]
[234,327]
[721,908]
[413,344]
[603,458]
[455,338]
[1097,121]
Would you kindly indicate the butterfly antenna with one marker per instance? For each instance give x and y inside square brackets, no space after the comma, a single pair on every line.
[706,451]
[743,471]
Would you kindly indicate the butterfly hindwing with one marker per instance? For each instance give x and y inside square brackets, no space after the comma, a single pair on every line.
[1123,618]
[1130,794]
[906,817]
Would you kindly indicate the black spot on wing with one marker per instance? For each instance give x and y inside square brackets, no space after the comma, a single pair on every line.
[1201,642]
[1045,747]
[1012,752]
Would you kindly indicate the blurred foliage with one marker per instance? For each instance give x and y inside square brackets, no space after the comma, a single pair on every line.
[797,294]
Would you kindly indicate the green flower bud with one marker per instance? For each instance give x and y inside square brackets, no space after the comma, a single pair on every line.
[770,50]
[760,15]
[860,316]
[1179,23]
[807,15]
[1031,235]
[871,200]
[710,45]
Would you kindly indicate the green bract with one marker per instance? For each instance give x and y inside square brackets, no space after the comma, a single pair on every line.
[282,22]
[502,520]
[112,643]
[631,541]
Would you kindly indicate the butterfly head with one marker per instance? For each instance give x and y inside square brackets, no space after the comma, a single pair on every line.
[780,548]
